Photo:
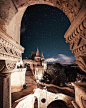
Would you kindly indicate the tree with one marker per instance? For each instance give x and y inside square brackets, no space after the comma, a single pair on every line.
[71,74]
[33,54]
[47,78]
[57,66]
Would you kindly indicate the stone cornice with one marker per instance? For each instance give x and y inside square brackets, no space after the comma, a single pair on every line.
[76,36]
[77,21]
[10,40]
[9,49]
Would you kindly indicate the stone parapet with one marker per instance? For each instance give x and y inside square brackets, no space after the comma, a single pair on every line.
[17,79]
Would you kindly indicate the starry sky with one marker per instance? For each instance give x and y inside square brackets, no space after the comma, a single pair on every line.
[44,26]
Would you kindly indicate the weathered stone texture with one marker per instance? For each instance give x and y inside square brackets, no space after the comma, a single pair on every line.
[80,94]
[7,10]
[17,80]
[11,12]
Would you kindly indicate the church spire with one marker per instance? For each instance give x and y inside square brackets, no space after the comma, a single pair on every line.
[37,53]
[42,55]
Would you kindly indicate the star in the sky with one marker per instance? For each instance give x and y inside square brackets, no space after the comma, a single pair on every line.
[44,28]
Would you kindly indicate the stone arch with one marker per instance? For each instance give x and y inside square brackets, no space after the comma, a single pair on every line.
[36,102]
[14,11]
[57,104]
[11,12]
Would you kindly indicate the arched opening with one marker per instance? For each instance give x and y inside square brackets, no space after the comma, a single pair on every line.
[47,29]
[11,20]
[11,12]
[57,104]
[36,103]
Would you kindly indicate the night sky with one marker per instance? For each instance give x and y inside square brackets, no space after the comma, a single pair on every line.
[44,26]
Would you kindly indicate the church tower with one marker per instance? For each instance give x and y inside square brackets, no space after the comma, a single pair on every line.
[38,57]
[42,57]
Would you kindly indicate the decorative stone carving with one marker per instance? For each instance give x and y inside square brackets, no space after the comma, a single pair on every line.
[2,65]
[5,86]
[77,39]
[8,48]
[80,95]
[83,102]
[7,66]
[11,66]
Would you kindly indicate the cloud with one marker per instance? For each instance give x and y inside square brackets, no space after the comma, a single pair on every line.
[67,62]
[52,59]
[64,57]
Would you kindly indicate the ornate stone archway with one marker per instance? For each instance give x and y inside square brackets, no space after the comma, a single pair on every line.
[11,12]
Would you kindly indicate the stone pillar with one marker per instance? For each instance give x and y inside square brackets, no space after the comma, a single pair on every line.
[6,68]
[5,91]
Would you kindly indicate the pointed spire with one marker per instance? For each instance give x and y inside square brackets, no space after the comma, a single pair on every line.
[42,55]
[37,53]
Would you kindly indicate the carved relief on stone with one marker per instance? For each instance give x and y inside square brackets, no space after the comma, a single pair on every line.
[81,62]
[9,49]
[77,40]
[2,65]
[83,101]
[80,94]
[10,66]
[71,8]
[0,45]
[79,31]
[7,66]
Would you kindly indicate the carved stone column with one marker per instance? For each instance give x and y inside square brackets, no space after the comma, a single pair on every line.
[6,67]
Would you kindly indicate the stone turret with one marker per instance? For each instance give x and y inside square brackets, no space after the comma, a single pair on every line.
[37,53]
[38,57]
[42,57]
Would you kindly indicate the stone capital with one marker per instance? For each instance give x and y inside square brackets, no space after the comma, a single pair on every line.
[7,67]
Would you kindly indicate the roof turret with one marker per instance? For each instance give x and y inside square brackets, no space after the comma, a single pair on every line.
[42,55]
[37,53]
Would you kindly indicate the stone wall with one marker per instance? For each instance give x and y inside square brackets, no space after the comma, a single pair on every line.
[18,80]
